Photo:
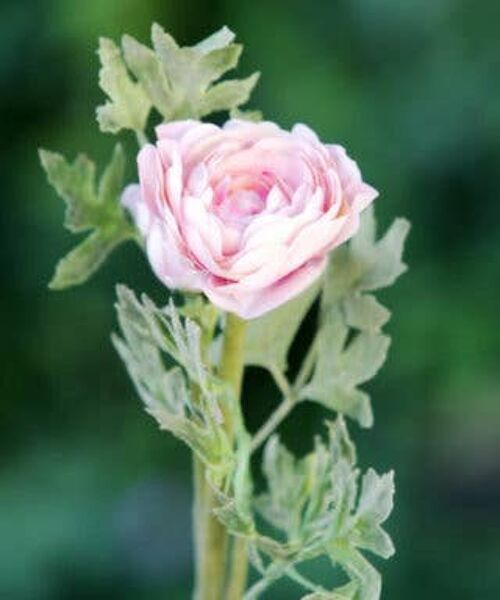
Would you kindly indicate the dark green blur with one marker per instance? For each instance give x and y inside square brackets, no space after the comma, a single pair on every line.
[94,500]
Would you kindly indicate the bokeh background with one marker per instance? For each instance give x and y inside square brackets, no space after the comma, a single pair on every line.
[94,500]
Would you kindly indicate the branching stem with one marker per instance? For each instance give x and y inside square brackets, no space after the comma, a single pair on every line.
[290,398]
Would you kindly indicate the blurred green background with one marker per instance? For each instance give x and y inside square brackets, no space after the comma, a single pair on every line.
[94,500]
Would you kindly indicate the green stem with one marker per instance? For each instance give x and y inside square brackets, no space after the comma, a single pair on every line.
[210,540]
[272,423]
[141,137]
[210,535]
[231,370]
[238,570]
[232,362]
[290,397]
[307,365]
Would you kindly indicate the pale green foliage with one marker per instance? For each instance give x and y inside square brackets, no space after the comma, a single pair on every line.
[235,510]
[379,262]
[88,209]
[346,594]
[366,264]
[365,312]
[343,364]
[129,105]
[316,503]
[269,337]
[349,347]
[340,368]
[185,399]
[246,115]
[180,82]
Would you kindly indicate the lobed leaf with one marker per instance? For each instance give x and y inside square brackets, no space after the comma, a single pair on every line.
[227,95]
[314,502]
[339,369]
[86,258]
[269,337]
[350,347]
[380,261]
[180,82]
[128,105]
[186,399]
[88,209]
[75,184]
[365,312]
[144,64]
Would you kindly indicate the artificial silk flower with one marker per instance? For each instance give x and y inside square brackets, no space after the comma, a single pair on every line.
[245,213]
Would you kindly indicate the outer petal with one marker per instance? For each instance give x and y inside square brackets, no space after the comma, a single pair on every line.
[168,260]
[132,201]
[176,129]
[358,193]
[150,177]
[249,305]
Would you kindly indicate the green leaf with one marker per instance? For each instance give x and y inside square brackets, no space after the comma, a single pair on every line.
[182,82]
[375,505]
[345,361]
[365,312]
[84,260]
[340,368]
[129,105]
[380,261]
[186,399]
[364,263]
[227,95]
[75,184]
[362,358]
[192,70]
[233,519]
[221,38]
[300,492]
[376,499]
[144,64]
[287,483]
[314,502]
[246,115]
[235,511]
[346,592]
[88,209]
[268,338]
[373,538]
[350,402]
[365,578]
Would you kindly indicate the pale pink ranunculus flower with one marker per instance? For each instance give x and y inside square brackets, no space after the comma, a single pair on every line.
[245,213]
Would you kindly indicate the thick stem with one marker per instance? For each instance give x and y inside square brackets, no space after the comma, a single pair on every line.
[238,570]
[210,540]
[231,370]
[233,357]
[210,535]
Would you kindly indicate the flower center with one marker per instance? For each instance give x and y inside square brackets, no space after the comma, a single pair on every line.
[238,199]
